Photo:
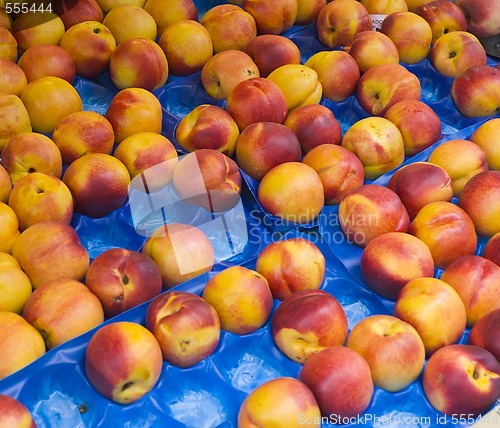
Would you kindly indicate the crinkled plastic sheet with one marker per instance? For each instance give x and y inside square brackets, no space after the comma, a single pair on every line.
[55,388]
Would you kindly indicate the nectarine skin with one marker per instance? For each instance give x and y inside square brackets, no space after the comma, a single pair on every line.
[480,199]
[306,322]
[393,259]
[186,327]
[477,281]
[284,401]
[486,333]
[291,265]
[123,361]
[434,309]
[341,381]
[369,211]
[447,230]
[463,379]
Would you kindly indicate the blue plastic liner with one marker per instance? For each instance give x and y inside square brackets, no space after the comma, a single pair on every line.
[55,388]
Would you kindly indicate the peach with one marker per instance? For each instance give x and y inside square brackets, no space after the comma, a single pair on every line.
[270,51]
[209,179]
[99,184]
[283,400]
[81,133]
[272,16]
[21,344]
[12,77]
[299,83]
[138,63]
[10,228]
[411,34]
[187,46]
[485,333]
[486,136]
[149,156]
[292,191]
[107,5]
[224,70]
[73,12]
[420,183]
[338,23]
[308,11]
[341,381]
[291,265]
[8,45]
[393,259]
[385,7]
[47,60]
[369,211]
[338,73]
[476,92]
[40,197]
[455,52]
[256,100]
[482,17]
[15,118]
[384,85]
[123,361]
[434,309]
[378,143]
[38,27]
[414,4]
[90,45]
[491,250]
[122,279]
[443,16]
[181,252]
[477,281]
[29,152]
[229,26]
[5,185]
[49,251]
[314,125]
[166,14]
[186,327]
[49,99]
[461,159]
[5,20]
[241,297]
[263,145]
[447,230]
[62,309]
[480,200]
[134,110]
[208,126]
[462,379]
[130,22]
[370,48]
[339,170]
[307,322]
[13,413]
[419,124]
[393,349]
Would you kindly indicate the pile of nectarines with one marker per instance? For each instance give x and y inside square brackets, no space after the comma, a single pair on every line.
[423,210]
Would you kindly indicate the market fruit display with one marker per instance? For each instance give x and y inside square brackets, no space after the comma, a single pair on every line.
[206,176]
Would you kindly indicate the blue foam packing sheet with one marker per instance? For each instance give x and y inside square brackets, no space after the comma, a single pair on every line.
[55,388]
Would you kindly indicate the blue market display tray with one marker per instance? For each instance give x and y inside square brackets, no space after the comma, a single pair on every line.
[56,391]
[208,395]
